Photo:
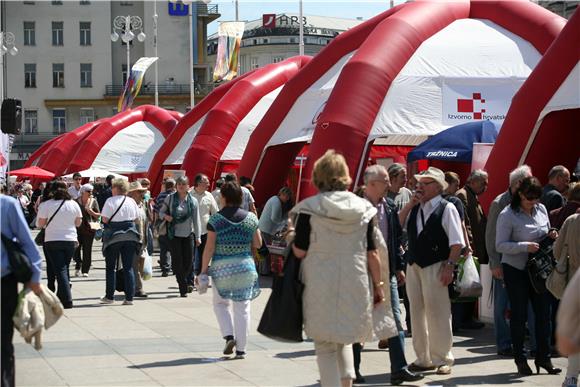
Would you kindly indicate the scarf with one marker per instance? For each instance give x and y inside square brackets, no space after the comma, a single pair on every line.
[179,217]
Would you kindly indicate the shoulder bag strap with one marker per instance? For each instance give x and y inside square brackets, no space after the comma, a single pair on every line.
[118,208]
[55,212]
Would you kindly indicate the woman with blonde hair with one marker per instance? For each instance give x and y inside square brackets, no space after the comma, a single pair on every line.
[338,295]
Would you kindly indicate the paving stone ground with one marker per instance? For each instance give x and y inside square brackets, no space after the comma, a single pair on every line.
[166,340]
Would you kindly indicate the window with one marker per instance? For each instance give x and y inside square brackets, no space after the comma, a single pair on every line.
[85,2]
[277,59]
[29,74]
[85,30]
[56,2]
[30,121]
[29,2]
[29,34]
[126,3]
[255,41]
[57,33]
[254,63]
[87,115]
[265,41]
[58,75]
[86,75]
[58,121]
[293,40]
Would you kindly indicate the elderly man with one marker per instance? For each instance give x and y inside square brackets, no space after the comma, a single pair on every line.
[500,299]
[377,183]
[207,207]
[164,254]
[435,242]
[558,180]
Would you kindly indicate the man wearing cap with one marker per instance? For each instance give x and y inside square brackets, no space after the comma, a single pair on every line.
[435,243]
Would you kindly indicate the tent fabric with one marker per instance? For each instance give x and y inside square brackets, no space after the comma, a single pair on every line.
[456,143]
[173,150]
[35,156]
[224,118]
[149,121]
[541,127]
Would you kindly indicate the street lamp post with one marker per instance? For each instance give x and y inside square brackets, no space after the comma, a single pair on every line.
[6,46]
[126,25]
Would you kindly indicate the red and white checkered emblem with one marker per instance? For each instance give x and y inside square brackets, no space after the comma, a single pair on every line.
[473,105]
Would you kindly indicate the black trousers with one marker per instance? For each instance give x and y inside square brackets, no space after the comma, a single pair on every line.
[520,291]
[9,301]
[181,259]
[86,247]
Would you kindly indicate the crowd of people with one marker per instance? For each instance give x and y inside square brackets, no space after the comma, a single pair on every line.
[395,238]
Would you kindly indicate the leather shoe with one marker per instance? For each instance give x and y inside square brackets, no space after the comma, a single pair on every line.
[404,375]
[417,368]
[383,344]
[359,379]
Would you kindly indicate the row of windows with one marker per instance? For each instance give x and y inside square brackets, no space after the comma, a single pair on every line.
[58,119]
[58,75]
[57,33]
[81,2]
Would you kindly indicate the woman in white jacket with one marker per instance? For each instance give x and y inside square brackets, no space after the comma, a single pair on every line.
[335,236]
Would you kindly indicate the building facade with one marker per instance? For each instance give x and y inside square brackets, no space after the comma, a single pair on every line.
[563,8]
[274,38]
[69,72]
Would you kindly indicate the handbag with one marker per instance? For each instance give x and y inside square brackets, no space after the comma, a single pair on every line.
[540,265]
[559,277]
[162,226]
[39,240]
[19,263]
[282,318]
[94,226]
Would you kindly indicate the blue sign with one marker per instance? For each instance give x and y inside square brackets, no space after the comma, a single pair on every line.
[177,8]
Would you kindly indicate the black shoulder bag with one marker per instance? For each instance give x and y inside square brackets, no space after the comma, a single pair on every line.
[19,263]
[540,264]
[39,240]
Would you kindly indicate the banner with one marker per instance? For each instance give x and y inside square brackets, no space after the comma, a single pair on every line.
[485,99]
[4,156]
[229,40]
[133,84]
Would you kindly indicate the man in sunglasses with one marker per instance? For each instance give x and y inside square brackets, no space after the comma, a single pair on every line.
[75,189]
[435,241]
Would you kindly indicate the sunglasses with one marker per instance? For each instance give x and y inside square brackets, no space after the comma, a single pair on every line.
[531,198]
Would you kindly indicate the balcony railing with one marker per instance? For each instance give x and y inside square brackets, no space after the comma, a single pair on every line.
[201,89]
[206,9]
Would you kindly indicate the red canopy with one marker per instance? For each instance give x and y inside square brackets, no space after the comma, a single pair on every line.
[33,172]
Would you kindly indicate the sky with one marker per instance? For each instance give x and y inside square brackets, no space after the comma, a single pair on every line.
[251,10]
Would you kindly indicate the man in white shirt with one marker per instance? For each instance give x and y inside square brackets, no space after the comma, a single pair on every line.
[435,242]
[207,206]
[75,189]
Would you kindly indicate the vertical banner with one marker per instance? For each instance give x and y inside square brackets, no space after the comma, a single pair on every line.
[229,40]
[4,156]
[133,84]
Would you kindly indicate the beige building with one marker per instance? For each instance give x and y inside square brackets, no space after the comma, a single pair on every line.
[274,38]
[68,70]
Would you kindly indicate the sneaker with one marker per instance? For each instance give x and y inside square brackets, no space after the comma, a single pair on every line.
[77,273]
[105,300]
[127,302]
[443,370]
[240,355]
[85,275]
[229,348]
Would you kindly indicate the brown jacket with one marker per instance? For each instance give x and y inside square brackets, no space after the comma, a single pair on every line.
[568,243]
[475,222]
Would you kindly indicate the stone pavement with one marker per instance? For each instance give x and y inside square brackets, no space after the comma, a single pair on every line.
[166,340]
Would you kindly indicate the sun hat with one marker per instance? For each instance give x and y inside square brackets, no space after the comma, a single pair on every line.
[136,186]
[435,174]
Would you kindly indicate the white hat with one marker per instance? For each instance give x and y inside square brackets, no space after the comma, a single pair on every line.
[86,188]
[136,186]
[435,174]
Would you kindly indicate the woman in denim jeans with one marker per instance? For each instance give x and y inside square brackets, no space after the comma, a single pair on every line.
[60,241]
[120,238]
[520,228]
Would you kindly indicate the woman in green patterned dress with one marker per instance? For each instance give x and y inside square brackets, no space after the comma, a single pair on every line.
[232,235]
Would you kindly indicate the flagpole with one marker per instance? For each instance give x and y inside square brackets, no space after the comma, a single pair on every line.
[301,35]
[239,69]
[192,81]
[155,16]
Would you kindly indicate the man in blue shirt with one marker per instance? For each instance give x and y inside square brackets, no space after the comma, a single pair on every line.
[14,226]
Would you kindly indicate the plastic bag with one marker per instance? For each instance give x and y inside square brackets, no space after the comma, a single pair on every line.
[468,281]
[147,266]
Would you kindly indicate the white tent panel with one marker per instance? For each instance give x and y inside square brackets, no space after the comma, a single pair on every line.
[130,150]
[568,94]
[471,66]
[178,154]
[239,140]
[299,123]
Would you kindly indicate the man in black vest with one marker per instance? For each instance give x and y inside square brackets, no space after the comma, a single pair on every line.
[435,243]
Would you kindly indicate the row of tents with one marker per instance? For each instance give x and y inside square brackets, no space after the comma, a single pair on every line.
[376,90]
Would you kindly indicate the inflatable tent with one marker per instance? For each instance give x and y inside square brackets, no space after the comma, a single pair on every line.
[542,128]
[228,125]
[412,71]
[173,150]
[126,142]
[35,156]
